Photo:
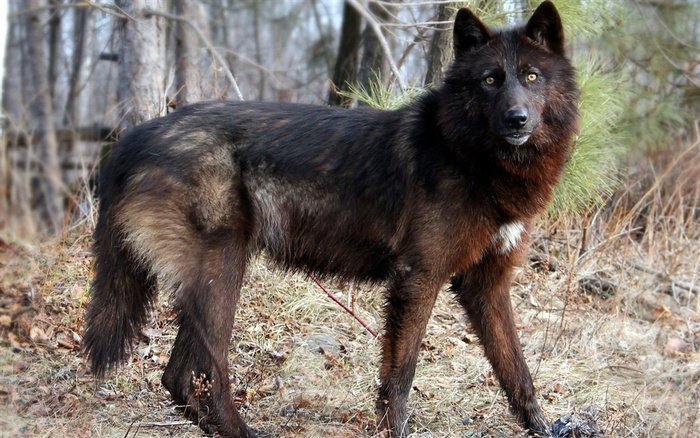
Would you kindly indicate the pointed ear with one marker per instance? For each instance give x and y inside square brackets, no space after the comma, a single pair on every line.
[469,32]
[545,28]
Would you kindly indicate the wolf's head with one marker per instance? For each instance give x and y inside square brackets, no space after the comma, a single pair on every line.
[511,90]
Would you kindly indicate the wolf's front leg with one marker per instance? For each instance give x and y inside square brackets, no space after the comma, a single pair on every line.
[483,291]
[410,301]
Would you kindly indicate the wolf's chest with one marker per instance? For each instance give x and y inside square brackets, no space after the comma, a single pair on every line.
[508,236]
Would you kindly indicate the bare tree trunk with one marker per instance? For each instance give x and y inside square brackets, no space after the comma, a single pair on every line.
[54,41]
[374,64]
[186,53]
[258,50]
[218,20]
[50,202]
[345,70]
[4,165]
[141,62]
[4,34]
[71,117]
[440,46]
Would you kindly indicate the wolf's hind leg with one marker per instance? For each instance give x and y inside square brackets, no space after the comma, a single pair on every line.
[197,373]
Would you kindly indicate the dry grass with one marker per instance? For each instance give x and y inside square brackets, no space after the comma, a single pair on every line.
[628,352]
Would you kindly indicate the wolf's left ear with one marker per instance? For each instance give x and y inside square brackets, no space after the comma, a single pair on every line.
[545,28]
[469,32]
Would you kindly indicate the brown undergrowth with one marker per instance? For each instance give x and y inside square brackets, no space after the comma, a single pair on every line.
[608,313]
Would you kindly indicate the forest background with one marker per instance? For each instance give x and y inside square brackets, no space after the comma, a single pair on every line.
[608,305]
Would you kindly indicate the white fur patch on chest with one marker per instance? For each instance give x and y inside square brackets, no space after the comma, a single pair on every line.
[509,236]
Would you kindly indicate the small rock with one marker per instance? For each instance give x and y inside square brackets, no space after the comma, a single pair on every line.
[22,365]
[64,373]
[144,351]
[597,286]
[579,425]
[539,261]
[320,342]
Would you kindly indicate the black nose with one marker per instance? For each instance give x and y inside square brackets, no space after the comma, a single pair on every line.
[516,118]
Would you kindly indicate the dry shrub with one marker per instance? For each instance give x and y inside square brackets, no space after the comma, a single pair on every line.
[661,193]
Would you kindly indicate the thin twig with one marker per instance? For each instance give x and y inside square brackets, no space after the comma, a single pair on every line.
[9,246]
[106,8]
[346,308]
[162,424]
[688,75]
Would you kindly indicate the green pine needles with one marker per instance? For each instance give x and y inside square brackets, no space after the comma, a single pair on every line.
[591,173]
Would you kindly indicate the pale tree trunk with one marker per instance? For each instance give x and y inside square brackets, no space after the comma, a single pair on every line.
[258,50]
[4,166]
[72,112]
[187,52]
[49,194]
[141,62]
[441,45]
[345,70]
[374,65]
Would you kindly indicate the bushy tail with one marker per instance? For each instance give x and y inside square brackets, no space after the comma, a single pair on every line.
[123,291]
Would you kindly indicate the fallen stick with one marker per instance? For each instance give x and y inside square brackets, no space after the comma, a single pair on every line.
[661,276]
[162,424]
[346,308]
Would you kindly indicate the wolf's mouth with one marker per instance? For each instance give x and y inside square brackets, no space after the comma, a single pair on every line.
[517,138]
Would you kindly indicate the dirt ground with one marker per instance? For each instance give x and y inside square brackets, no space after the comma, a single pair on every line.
[607,309]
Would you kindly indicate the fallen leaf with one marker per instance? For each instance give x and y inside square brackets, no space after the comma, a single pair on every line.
[675,345]
[5,320]
[37,334]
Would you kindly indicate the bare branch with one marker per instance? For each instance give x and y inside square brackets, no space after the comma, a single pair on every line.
[106,8]
[377,29]
[207,43]
[665,277]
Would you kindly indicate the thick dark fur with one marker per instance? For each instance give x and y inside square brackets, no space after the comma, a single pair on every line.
[442,191]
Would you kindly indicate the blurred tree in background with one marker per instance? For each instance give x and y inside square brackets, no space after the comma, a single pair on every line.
[655,46]
[85,70]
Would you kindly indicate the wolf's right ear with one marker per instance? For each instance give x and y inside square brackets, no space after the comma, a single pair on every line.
[469,31]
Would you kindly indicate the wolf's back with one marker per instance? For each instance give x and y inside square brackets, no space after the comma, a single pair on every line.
[217,170]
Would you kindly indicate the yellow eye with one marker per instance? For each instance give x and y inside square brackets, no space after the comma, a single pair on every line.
[490,80]
[532,77]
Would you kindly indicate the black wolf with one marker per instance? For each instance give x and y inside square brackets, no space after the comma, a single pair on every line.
[441,191]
